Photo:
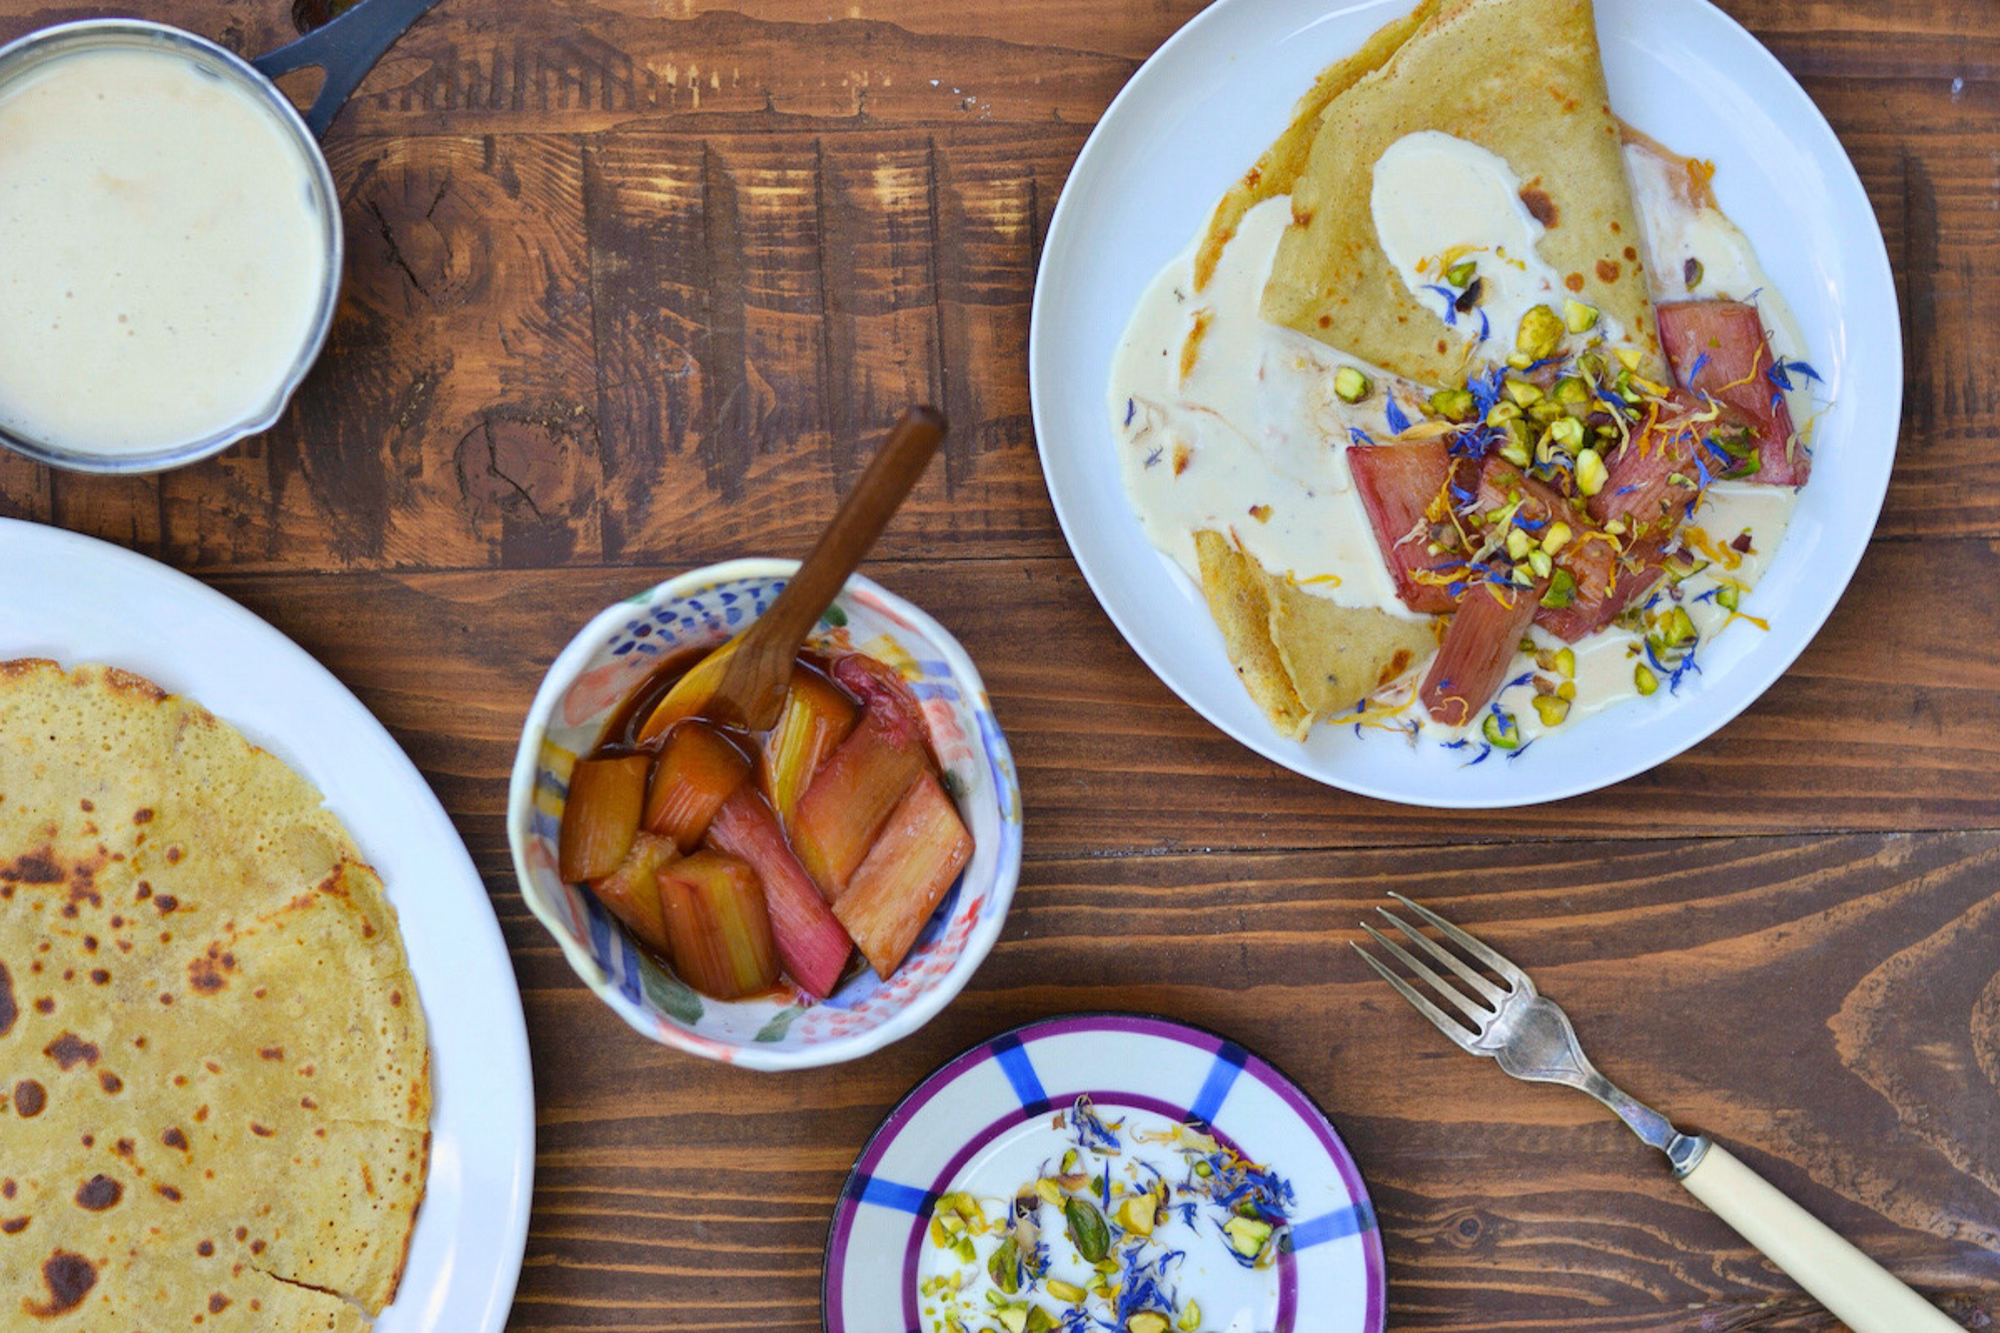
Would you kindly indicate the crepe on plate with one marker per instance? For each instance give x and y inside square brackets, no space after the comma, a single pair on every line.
[214,1075]
[1300,655]
[1523,79]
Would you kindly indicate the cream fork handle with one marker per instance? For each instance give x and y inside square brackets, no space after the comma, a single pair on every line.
[1859,1291]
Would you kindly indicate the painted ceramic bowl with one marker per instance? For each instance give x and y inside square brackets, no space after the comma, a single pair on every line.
[607,661]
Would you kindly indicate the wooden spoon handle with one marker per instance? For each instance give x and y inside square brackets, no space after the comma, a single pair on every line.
[860,520]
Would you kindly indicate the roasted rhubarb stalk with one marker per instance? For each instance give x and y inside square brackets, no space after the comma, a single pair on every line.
[718,925]
[922,848]
[1472,661]
[1718,349]
[817,717]
[632,891]
[850,800]
[601,815]
[812,945]
[697,771]
[1398,485]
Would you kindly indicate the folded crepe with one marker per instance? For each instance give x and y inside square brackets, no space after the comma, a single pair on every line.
[1523,79]
[1301,656]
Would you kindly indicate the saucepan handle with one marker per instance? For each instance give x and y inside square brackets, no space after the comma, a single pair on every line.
[1859,1291]
[346,48]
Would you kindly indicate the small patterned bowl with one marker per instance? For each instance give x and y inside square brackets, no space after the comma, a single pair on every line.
[600,668]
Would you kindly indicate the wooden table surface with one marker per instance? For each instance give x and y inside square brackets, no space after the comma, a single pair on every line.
[634,286]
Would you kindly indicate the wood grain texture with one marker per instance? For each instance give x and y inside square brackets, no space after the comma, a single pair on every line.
[634,285]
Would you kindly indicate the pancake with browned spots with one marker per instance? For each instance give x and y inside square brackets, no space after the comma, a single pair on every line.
[214,1075]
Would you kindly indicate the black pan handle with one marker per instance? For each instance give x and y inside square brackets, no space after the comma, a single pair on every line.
[346,48]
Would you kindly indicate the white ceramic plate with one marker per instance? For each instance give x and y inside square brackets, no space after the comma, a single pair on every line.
[1196,116]
[77,600]
[984,1117]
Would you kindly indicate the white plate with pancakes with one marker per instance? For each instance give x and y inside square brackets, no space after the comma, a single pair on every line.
[75,600]
[1192,121]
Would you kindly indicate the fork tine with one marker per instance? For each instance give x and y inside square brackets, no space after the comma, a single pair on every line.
[1467,942]
[1451,960]
[1450,992]
[1446,1024]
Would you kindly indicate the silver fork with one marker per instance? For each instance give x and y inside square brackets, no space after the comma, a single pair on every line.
[1532,1038]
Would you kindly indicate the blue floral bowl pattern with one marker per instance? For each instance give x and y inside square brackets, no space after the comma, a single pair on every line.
[700,609]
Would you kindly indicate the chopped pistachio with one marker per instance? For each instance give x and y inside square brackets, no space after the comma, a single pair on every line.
[1460,274]
[1556,537]
[1591,473]
[1628,358]
[1567,432]
[1728,597]
[1087,1230]
[1644,679]
[1544,412]
[1004,1266]
[1581,318]
[1520,360]
[1516,452]
[1136,1215]
[1541,332]
[1677,627]
[939,1236]
[1526,645]
[1190,1319]
[1572,391]
[1524,393]
[1070,1162]
[1539,561]
[1040,1321]
[1552,709]
[1566,661]
[1013,1318]
[1566,691]
[1502,413]
[1454,405]
[1146,1321]
[1562,590]
[1502,732]
[1247,1235]
[1351,384]
[1519,543]
[1065,1291]
[1048,1191]
[963,1251]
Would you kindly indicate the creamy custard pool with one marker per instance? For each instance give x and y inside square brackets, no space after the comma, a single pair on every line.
[161,256]
[1230,424]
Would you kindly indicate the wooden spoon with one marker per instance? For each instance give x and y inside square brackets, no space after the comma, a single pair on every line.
[743,682]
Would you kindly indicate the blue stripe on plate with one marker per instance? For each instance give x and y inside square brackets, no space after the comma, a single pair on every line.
[1336,1225]
[1020,1071]
[1229,1062]
[891,1194]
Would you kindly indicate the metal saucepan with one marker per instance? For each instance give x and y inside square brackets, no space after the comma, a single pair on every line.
[345,49]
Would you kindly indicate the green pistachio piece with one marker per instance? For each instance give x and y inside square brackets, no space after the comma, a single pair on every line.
[1579,317]
[1541,332]
[1351,384]
[1004,1266]
[1524,393]
[1460,274]
[1562,590]
[1552,709]
[1087,1230]
[1457,405]
[1572,391]
[1728,596]
[1644,679]
[1502,732]
[1040,1321]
